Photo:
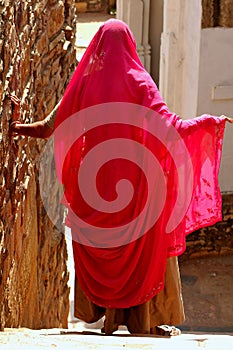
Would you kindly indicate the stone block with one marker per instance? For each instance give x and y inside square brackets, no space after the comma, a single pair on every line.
[214,240]
[56,19]
[226,13]
[58,39]
[81,6]
[42,43]
[217,13]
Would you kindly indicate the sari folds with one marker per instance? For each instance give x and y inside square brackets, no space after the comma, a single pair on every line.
[113,125]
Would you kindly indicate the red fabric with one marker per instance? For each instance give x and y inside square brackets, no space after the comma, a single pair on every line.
[130,274]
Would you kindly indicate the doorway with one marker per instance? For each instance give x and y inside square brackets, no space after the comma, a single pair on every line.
[105,6]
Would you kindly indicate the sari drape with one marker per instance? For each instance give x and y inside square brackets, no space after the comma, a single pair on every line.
[128,268]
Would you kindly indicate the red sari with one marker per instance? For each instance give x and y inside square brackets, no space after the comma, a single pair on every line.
[127,268]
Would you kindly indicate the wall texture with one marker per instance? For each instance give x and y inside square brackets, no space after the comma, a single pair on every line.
[37,58]
[215,240]
[217,13]
[215,90]
[215,72]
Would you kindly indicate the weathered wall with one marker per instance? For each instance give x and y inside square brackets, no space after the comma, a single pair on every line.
[215,96]
[94,5]
[203,83]
[215,240]
[217,13]
[36,60]
[215,90]
[179,56]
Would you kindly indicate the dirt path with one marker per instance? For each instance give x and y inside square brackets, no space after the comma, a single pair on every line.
[24,339]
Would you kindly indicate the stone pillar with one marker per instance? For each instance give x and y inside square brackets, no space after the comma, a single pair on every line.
[180,53]
[136,14]
[155,32]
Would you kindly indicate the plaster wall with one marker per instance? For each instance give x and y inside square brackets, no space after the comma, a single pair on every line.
[215,89]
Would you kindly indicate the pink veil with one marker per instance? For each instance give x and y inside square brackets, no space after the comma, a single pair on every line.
[110,78]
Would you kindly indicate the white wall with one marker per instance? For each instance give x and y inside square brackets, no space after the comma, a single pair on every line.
[136,14]
[215,92]
[196,66]
[179,64]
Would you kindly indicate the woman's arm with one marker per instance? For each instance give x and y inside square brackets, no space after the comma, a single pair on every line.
[38,129]
[41,129]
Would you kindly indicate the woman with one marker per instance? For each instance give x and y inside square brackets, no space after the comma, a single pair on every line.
[127,283]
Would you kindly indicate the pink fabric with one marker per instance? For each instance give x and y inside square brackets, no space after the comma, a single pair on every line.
[128,275]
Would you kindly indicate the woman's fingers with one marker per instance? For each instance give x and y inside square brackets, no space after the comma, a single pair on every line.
[14,98]
[228,119]
[13,128]
[16,107]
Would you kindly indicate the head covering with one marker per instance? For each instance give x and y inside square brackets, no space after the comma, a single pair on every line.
[112,101]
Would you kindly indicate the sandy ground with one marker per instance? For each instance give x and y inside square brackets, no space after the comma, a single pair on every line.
[25,339]
[207,292]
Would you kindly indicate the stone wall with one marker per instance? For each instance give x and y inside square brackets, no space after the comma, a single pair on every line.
[214,240]
[217,13]
[218,239]
[95,5]
[37,58]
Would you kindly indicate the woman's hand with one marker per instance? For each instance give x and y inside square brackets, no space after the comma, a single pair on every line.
[16,114]
[38,129]
[228,119]
[16,110]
